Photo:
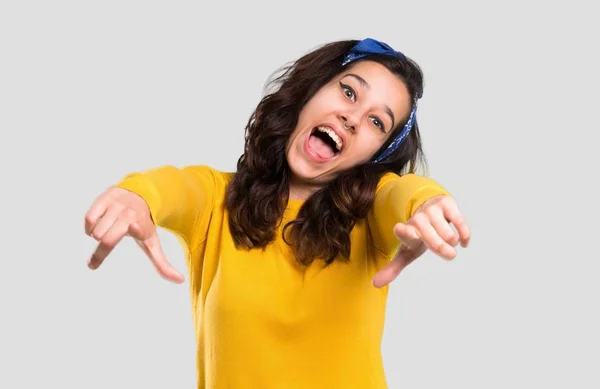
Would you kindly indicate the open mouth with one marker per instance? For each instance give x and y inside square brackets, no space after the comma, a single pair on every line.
[325,142]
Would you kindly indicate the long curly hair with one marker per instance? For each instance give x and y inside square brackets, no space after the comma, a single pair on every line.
[259,191]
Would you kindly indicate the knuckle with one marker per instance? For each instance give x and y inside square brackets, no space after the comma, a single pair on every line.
[419,219]
[116,207]
[453,240]
[449,236]
[129,213]
[445,199]
[438,246]
[432,209]
[108,243]
[458,220]
[95,234]
[89,219]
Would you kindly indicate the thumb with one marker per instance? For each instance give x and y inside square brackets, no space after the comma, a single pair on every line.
[410,249]
[390,272]
[150,244]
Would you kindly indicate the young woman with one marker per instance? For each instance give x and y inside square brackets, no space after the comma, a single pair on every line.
[289,257]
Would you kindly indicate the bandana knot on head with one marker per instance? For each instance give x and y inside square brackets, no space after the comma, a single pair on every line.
[367,47]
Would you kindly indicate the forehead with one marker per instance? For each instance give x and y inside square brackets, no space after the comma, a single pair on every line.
[384,87]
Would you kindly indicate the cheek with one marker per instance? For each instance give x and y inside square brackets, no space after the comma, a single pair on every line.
[367,144]
[305,117]
[323,103]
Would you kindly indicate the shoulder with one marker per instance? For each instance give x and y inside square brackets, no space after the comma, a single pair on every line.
[390,179]
[387,178]
[409,182]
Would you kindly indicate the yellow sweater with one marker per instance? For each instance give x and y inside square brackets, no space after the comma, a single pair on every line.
[263,322]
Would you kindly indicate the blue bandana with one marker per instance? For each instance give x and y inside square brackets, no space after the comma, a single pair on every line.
[368,47]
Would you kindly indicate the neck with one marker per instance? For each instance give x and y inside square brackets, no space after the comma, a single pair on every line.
[300,190]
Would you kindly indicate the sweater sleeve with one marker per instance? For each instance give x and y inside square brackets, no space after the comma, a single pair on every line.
[180,199]
[396,200]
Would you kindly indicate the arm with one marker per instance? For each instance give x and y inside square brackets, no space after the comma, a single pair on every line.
[179,200]
[396,201]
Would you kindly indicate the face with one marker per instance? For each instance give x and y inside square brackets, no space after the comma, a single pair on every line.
[346,123]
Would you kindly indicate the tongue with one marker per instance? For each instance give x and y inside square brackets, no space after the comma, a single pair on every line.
[321,148]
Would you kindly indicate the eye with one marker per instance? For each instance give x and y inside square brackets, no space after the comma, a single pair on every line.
[378,123]
[348,92]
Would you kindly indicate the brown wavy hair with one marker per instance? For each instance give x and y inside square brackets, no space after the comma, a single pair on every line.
[258,193]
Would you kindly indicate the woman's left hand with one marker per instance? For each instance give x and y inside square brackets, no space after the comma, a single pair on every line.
[429,228]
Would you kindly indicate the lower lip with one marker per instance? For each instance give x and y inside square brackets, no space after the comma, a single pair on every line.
[312,155]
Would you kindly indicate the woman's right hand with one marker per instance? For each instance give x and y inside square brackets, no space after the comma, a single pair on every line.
[117,213]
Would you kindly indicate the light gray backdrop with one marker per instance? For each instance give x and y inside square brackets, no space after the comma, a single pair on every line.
[92,90]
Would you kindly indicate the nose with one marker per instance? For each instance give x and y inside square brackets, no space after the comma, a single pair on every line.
[349,123]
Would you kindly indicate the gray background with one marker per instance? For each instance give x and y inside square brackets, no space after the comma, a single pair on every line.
[92,90]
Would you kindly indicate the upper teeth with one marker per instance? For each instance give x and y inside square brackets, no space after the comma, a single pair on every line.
[332,135]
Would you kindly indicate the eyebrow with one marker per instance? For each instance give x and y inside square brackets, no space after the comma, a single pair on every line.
[363,83]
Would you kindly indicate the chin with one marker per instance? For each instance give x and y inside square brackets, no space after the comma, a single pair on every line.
[304,172]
